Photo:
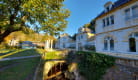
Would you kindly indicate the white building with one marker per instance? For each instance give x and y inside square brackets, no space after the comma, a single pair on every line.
[13,42]
[84,38]
[117,27]
[65,41]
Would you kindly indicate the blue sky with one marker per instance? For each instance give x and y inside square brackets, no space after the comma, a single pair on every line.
[82,12]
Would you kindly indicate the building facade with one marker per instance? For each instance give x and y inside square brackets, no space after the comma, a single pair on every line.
[65,41]
[27,45]
[117,27]
[84,38]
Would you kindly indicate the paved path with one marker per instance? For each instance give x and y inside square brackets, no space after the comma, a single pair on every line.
[14,58]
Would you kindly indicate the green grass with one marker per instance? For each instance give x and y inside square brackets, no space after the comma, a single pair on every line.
[54,55]
[5,50]
[5,63]
[22,52]
[21,71]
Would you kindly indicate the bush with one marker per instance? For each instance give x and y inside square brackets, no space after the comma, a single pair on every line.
[71,47]
[93,65]
[90,47]
[3,45]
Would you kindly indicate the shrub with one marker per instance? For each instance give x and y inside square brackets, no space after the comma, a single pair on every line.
[90,47]
[93,65]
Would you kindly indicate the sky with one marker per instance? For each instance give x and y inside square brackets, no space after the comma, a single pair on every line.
[82,12]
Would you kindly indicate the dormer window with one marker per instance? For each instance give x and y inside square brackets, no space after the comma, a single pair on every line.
[108,6]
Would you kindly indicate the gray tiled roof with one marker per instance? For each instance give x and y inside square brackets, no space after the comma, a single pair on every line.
[115,5]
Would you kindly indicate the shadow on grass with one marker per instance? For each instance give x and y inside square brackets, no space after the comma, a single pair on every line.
[5,52]
[21,52]
[19,69]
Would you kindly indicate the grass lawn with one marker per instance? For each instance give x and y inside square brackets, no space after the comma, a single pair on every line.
[54,55]
[22,70]
[22,52]
[6,63]
[6,50]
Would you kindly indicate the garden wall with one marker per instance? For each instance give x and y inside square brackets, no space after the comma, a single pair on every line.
[124,69]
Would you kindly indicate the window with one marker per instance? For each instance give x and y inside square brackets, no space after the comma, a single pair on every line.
[135,11]
[132,41]
[1,12]
[104,23]
[81,36]
[107,19]
[136,34]
[77,37]
[109,44]
[112,19]
[63,45]
[105,44]
[133,35]
[132,44]
[136,77]
[127,14]
[112,44]
[107,8]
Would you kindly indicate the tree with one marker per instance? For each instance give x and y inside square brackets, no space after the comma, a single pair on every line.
[91,25]
[46,15]
[74,36]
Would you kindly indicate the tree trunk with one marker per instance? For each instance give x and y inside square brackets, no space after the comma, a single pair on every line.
[8,32]
[3,35]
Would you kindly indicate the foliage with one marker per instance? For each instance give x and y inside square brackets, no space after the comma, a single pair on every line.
[91,25]
[53,55]
[40,15]
[13,40]
[90,47]
[72,47]
[93,65]
[3,45]
[74,36]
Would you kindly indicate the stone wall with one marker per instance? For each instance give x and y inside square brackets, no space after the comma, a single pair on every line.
[124,69]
